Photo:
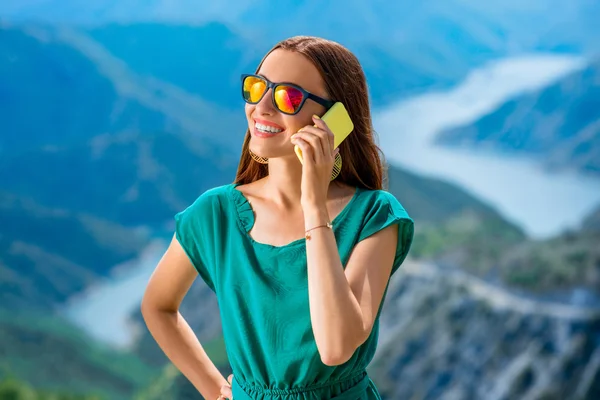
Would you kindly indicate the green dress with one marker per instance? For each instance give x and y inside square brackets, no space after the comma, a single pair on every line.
[262,291]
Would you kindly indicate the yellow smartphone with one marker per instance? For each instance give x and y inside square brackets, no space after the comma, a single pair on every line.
[339,122]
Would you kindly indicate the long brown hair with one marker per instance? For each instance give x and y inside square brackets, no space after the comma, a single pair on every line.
[362,160]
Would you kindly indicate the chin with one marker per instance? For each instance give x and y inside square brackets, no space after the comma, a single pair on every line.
[264,151]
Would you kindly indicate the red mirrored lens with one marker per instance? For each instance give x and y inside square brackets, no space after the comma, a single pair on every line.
[287,98]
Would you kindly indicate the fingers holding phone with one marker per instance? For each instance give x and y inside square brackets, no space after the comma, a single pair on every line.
[320,139]
[328,141]
[337,121]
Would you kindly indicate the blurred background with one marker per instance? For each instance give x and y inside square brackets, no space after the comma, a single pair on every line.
[115,115]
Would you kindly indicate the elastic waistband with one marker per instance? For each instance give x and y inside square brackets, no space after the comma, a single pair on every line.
[245,391]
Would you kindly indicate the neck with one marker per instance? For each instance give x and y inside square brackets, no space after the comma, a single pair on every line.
[282,185]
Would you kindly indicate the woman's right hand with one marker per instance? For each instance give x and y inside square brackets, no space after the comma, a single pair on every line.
[226,390]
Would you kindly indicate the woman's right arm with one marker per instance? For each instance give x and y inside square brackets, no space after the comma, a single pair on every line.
[166,288]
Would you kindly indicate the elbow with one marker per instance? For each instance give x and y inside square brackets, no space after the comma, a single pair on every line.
[149,308]
[332,360]
[333,357]
[145,307]
[145,304]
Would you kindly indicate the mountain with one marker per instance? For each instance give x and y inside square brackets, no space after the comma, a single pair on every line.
[53,82]
[558,125]
[449,334]
[474,26]
[173,385]
[406,47]
[96,160]
[591,224]
[86,91]
[567,265]
[85,172]
[453,227]
[49,354]
[129,178]
[14,389]
[48,254]
[205,60]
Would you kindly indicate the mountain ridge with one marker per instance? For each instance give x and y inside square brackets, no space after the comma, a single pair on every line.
[557,124]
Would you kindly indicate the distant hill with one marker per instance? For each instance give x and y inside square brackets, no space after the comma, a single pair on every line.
[204,60]
[453,227]
[568,264]
[58,86]
[49,354]
[83,91]
[405,48]
[447,333]
[207,60]
[11,388]
[48,254]
[85,163]
[592,222]
[130,179]
[558,125]
[474,26]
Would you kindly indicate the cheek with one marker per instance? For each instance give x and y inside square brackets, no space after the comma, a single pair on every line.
[300,120]
[294,123]
[249,109]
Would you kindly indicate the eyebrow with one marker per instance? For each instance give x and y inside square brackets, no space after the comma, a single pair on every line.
[282,82]
[293,83]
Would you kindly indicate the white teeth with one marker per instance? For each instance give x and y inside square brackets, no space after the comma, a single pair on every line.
[266,128]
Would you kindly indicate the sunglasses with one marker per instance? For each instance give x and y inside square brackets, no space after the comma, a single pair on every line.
[287,97]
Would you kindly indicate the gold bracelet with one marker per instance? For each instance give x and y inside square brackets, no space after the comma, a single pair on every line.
[307,233]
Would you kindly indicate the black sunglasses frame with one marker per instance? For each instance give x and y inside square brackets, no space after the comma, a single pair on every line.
[271,85]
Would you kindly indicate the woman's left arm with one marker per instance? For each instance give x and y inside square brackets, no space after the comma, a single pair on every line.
[344,303]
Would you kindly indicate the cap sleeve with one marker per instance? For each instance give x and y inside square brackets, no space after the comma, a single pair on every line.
[386,210]
[193,228]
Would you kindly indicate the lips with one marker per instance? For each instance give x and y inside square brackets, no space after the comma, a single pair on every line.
[266,129]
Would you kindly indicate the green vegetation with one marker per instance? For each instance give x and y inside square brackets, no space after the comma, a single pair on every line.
[467,240]
[48,254]
[47,352]
[571,259]
[450,224]
[456,229]
[13,389]
[173,385]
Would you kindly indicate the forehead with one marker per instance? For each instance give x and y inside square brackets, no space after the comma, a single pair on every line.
[292,67]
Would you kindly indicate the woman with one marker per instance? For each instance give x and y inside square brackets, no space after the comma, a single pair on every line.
[299,261]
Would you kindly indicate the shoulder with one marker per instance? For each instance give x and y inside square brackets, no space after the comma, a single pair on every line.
[214,195]
[382,201]
[211,200]
[380,210]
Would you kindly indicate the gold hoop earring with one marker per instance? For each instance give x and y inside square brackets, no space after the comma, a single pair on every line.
[258,159]
[337,166]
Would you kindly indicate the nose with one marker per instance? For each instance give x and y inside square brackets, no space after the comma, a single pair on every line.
[265,105]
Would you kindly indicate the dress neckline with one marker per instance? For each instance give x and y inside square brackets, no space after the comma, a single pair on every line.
[246,220]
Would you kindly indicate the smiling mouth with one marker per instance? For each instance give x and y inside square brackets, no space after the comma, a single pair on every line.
[266,129]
